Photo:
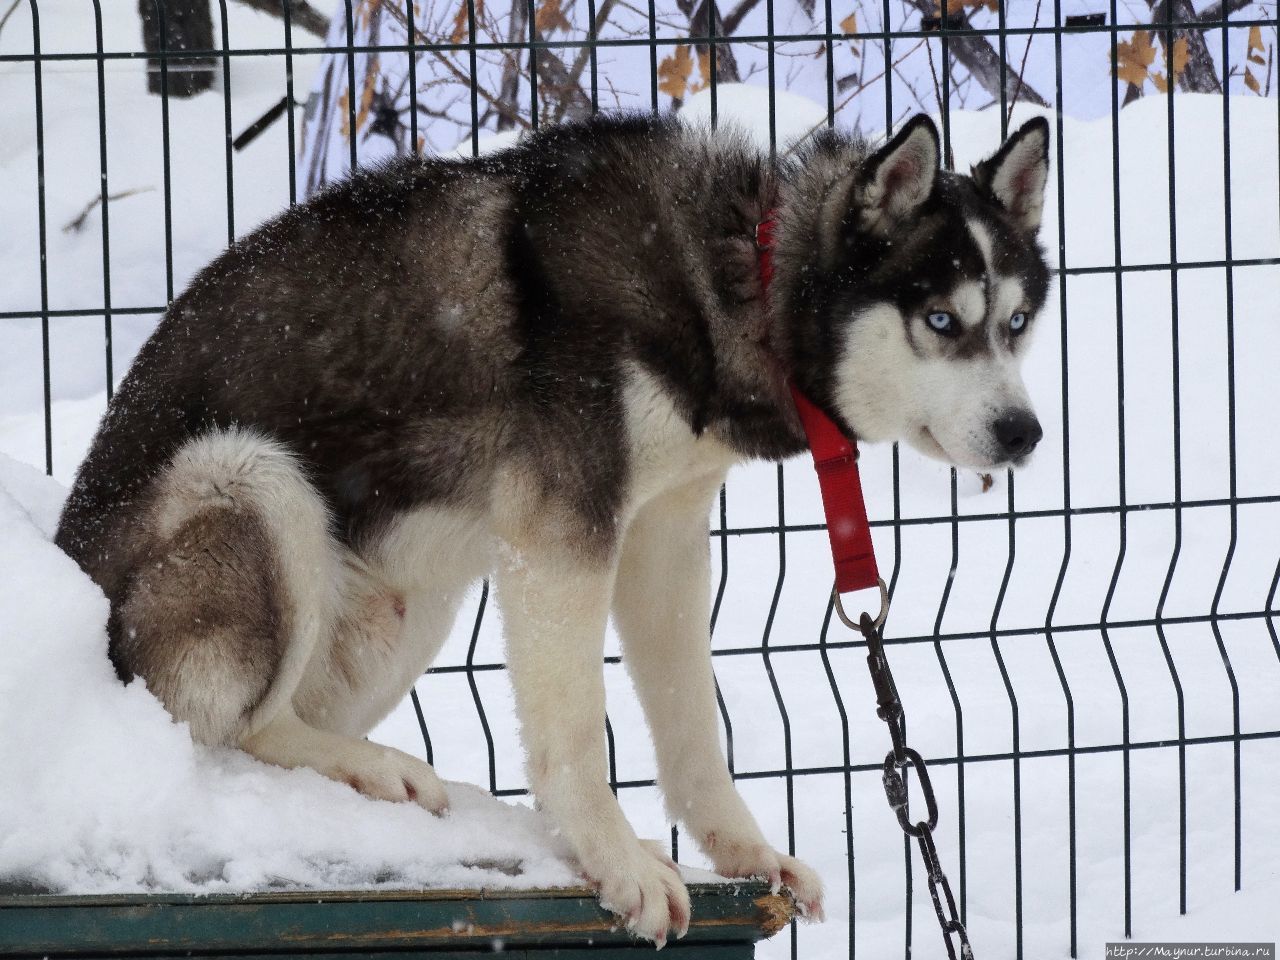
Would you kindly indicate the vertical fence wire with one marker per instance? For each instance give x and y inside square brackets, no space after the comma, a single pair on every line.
[1214,610]
[1061,239]
[1015,744]
[291,133]
[37,72]
[1176,385]
[352,97]
[948,161]
[166,152]
[227,136]
[103,192]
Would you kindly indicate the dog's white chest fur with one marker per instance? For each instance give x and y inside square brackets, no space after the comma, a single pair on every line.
[665,452]
[402,598]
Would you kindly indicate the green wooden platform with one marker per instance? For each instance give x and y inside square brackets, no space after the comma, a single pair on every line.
[728,919]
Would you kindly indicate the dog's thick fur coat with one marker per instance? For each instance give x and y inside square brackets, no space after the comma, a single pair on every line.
[538,366]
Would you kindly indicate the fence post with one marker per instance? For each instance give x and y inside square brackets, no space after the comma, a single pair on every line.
[187,25]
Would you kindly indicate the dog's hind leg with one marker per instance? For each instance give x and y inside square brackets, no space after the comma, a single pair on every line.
[235,588]
[229,591]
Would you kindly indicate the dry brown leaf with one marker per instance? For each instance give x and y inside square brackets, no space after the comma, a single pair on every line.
[1251,82]
[1161,83]
[459,23]
[1179,55]
[364,13]
[365,102]
[957,6]
[849,24]
[987,481]
[673,72]
[1134,57]
[550,17]
[1256,49]
[366,98]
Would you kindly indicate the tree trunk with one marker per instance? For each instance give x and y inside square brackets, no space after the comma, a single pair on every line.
[509,90]
[558,84]
[982,61]
[187,25]
[726,62]
[1198,75]
[301,14]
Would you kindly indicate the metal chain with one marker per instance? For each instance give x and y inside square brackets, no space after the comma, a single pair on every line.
[900,758]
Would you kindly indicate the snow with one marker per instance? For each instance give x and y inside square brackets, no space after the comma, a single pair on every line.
[103,792]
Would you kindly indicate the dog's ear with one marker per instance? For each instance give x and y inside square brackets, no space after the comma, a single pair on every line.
[900,176]
[1015,177]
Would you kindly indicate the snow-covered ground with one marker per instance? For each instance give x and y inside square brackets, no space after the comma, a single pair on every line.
[101,792]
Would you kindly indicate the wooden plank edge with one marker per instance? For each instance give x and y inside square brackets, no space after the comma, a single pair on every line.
[300,921]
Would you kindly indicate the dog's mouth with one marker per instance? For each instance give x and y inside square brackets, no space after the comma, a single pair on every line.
[929,445]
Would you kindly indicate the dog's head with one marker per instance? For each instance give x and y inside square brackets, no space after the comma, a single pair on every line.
[925,291]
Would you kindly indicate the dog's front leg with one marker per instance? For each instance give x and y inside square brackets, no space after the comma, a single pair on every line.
[662,607]
[555,605]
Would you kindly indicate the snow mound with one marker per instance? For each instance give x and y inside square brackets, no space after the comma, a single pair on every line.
[746,107]
[104,792]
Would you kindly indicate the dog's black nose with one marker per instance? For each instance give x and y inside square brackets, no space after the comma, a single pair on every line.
[1017,433]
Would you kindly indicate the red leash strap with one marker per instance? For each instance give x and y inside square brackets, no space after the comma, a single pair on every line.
[835,457]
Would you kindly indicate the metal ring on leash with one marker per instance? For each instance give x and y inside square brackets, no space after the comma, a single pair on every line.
[884,606]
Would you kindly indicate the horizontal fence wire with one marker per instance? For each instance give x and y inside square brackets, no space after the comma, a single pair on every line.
[941,32]
[938,33]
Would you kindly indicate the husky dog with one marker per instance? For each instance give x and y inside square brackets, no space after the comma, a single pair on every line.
[537,366]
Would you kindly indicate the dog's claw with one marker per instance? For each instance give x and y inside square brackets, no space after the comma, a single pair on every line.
[812,911]
[646,892]
[775,881]
[778,869]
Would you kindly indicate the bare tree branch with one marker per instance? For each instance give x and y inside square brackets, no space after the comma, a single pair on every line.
[556,79]
[981,60]
[1022,67]
[9,13]
[505,112]
[76,224]
[301,14]
[1222,9]
[726,63]
[584,52]
[509,88]
[736,16]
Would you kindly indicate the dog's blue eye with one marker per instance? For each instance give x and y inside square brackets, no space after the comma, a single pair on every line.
[1017,322]
[942,322]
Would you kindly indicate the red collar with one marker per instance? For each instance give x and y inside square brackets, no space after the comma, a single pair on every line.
[835,457]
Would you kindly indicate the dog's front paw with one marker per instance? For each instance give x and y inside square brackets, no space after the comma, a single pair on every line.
[761,860]
[644,888]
